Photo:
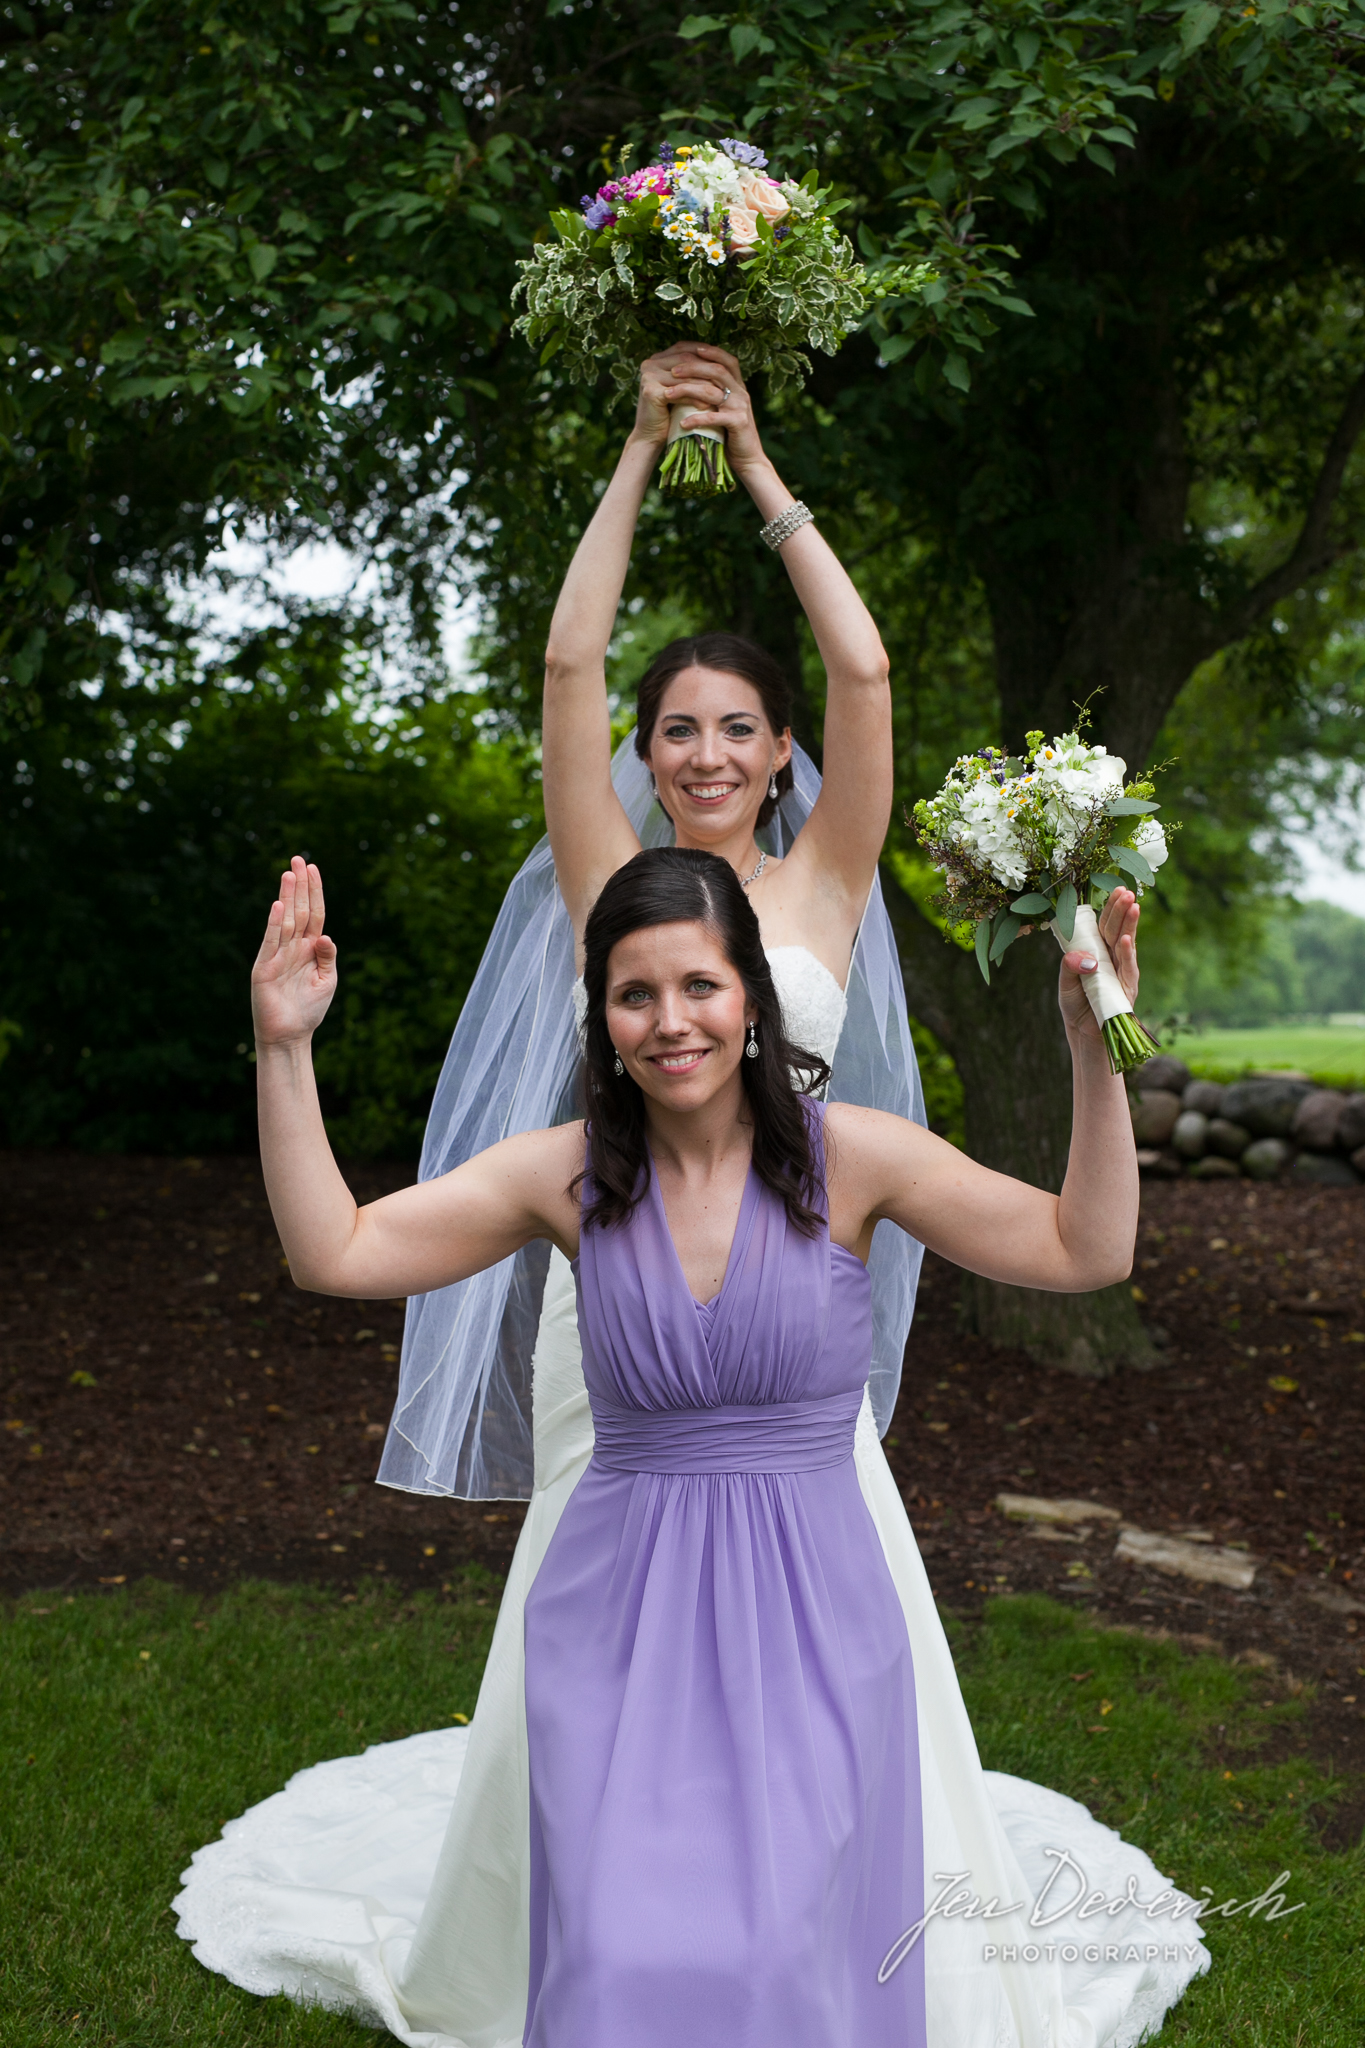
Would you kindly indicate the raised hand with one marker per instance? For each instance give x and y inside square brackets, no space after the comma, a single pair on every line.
[708,380]
[1118,923]
[295,975]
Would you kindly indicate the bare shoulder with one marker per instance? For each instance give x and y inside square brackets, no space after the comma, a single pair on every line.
[859,1133]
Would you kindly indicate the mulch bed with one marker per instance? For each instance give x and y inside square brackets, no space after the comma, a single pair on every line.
[233,1424]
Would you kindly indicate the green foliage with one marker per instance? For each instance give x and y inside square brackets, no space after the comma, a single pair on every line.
[1157,464]
[1310,962]
[609,297]
[990,106]
[941,1083]
[141,840]
[250,258]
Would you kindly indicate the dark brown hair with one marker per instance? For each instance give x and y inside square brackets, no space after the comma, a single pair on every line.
[737,657]
[683,885]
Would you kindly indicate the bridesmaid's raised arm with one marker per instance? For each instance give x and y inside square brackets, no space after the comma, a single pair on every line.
[1070,1243]
[421,1237]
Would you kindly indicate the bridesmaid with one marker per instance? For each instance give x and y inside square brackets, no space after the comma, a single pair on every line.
[720,1695]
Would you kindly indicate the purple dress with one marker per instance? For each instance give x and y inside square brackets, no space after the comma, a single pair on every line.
[720,1700]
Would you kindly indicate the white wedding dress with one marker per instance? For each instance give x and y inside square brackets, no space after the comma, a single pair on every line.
[395,1884]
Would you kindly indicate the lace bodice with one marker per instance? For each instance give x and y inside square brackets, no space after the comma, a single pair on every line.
[813,1004]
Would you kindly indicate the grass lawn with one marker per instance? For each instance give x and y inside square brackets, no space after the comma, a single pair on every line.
[1333,1054]
[133,1724]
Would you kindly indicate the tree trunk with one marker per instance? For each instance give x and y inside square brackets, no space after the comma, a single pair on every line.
[1010,1049]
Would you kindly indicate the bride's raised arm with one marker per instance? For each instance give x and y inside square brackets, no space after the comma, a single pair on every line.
[836,855]
[841,842]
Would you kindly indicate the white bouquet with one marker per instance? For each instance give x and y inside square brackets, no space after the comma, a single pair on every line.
[1042,841]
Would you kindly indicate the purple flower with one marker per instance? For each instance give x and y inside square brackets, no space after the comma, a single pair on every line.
[743,152]
[667,155]
[596,212]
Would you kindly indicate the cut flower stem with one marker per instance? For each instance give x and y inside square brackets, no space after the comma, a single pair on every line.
[1127,1042]
[694,466]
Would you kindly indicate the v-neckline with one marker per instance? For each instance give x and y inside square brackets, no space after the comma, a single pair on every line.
[705,1308]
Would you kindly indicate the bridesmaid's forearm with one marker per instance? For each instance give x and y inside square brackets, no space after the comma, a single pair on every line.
[1097,1210]
[314,1210]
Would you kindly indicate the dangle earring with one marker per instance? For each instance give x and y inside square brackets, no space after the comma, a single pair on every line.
[751,1049]
[619,1064]
[653,786]
[772,787]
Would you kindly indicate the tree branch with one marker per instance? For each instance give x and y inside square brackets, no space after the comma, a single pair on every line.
[1313,550]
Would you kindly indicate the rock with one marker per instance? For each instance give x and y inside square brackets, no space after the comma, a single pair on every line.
[1154,1113]
[1358,1160]
[1032,1507]
[1267,1107]
[1336,1600]
[1205,1096]
[1317,1120]
[1325,1172]
[1265,1157]
[1174,1554]
[1165,1072]
[1214,1168]
[1351,1129]
[1160,1165]
[1228,1140]
[1190,1135]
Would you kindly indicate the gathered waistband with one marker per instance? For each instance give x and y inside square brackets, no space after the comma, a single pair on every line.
[777,1436]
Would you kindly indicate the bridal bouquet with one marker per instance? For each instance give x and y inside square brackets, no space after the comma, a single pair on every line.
[704,245]
[1033,842]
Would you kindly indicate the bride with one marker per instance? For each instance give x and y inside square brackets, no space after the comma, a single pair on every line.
[398,1883]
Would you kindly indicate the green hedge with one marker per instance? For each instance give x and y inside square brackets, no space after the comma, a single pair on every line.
[140,844]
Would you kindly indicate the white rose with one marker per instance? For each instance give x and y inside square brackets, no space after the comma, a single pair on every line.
[1150,841]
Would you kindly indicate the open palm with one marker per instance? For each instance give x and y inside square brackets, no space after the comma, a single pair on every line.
[295,975]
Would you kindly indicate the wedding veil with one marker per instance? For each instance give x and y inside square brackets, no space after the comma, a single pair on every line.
[462,1422]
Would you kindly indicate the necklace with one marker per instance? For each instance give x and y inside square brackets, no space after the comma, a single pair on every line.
[745,880]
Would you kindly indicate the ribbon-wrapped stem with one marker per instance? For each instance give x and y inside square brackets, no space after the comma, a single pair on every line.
[1127,1042]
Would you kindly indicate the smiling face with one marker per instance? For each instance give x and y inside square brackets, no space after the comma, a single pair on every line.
[676,1011]
[711,752]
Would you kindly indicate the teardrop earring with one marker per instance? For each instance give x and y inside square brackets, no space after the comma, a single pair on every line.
[751,1049]
[772,787]
[653,785]
[619,1064]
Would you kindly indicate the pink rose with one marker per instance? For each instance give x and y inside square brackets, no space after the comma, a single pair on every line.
[765,197]
[743,227]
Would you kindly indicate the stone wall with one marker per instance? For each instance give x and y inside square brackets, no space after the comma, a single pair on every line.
[1265,1126]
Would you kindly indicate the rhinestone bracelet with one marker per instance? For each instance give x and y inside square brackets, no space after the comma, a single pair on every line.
[786,523]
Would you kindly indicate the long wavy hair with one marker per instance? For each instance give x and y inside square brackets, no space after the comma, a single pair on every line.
[736,656]
[683,885]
